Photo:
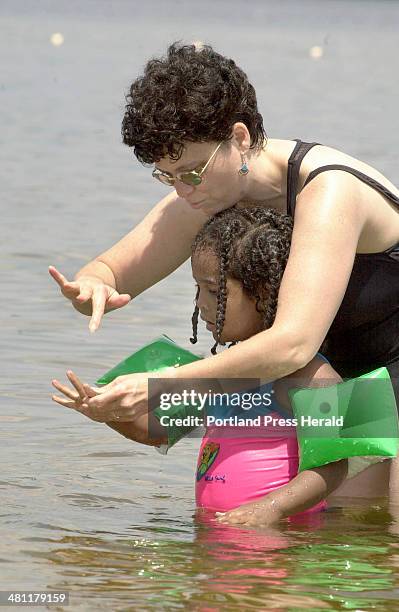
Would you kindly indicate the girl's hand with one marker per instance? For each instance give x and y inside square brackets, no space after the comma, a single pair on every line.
[76,398]
[123,400]
[104,298]
[255,514]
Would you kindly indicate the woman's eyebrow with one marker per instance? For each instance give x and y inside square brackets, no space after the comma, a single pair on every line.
[182,167]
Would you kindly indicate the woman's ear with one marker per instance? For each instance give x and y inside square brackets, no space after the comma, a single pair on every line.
[241,136]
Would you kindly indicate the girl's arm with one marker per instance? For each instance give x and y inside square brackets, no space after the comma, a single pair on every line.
[304,491]
[137,430]
[309,487]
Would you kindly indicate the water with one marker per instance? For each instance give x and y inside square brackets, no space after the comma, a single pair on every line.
[82,508]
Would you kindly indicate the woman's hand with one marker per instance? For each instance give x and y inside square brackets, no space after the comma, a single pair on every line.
[255,514]
[103,297]
[123,400]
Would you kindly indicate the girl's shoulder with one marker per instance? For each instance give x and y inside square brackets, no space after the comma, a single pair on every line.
[317,373]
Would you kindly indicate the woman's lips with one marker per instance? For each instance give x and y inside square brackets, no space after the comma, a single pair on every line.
[196,204]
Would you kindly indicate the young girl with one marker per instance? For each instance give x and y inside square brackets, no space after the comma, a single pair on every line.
[238,259]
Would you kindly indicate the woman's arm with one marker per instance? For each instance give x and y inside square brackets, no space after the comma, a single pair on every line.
[328,223]
[151,251]
[158,245]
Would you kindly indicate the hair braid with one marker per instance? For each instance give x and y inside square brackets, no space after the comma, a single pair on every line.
[194,319]
[222,292]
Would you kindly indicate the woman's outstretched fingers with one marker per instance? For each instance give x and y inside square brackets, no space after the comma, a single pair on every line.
[118,300]
[70,289]
[99,299]
[84,295]
[57,276]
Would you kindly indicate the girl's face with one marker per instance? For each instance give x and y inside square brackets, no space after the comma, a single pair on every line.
[221,185]
[242,320]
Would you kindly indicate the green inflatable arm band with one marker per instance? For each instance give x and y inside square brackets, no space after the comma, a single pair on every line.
[352,419]
[156,356]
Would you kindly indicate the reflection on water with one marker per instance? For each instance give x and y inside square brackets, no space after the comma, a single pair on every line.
[310,565]
[83,509]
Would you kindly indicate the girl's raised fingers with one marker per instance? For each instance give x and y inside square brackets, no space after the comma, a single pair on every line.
[65,390]
[90,391]
[76,383]
[68,403]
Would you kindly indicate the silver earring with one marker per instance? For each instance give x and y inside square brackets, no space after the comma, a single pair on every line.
[244,167]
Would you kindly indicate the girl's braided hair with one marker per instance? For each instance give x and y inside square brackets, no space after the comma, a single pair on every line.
[252,245]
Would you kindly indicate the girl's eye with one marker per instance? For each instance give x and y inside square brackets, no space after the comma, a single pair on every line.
[210,291]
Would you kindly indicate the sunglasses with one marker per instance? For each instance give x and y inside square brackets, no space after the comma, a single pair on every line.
[192,178]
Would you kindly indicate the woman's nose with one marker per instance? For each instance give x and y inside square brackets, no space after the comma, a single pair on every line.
[182,189]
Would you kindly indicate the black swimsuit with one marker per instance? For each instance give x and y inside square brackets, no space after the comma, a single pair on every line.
[365,332]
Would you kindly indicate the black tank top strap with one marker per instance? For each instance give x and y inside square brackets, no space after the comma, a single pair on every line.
[363,177]
[294,164]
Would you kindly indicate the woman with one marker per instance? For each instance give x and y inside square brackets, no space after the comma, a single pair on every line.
[248,472]
[194,115]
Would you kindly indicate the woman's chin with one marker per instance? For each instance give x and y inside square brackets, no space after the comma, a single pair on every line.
[213,207]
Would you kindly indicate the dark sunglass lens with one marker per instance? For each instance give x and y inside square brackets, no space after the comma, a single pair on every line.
[191,179]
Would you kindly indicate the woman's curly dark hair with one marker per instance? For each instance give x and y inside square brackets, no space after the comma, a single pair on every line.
[193,94]
[252,245]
